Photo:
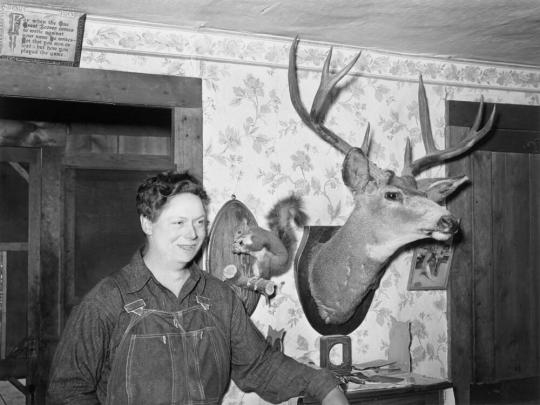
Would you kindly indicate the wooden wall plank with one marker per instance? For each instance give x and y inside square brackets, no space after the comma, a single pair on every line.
[41,81]
[460,280]
[511,264]
[188,140]
[115,161]
[500,259]
[482,267]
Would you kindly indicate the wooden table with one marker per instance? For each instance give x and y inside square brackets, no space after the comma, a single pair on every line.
[416,390]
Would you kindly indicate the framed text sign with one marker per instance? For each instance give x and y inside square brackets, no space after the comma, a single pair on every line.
[41,34]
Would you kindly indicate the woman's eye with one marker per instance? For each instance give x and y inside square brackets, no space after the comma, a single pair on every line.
[392,196]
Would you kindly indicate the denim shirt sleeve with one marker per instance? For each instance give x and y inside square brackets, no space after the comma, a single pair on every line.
[271,374]
[80,355]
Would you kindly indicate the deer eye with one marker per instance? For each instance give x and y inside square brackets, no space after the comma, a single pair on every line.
[393,196]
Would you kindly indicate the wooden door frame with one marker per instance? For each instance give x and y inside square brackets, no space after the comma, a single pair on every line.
[182,95]
[512,132]
[32,156]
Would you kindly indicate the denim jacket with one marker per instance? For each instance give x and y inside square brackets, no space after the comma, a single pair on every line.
[85,355]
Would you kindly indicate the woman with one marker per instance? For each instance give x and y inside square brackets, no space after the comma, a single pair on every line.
[161,331]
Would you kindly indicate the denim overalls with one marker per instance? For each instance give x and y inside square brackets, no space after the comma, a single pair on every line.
[168,357]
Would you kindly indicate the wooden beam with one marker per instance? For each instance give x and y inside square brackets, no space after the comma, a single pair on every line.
[509,116]
[47,81]
[115,161]
[512,141]
[51,252]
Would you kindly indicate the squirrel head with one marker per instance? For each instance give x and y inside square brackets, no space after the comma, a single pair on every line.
[246,238]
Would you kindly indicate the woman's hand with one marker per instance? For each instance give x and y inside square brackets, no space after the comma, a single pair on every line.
[335,397]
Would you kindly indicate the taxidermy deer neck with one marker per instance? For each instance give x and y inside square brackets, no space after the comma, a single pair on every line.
[390,211]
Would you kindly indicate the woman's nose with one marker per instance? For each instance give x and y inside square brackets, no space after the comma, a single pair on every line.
[191,232]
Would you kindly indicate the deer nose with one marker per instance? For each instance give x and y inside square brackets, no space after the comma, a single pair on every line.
[448,224]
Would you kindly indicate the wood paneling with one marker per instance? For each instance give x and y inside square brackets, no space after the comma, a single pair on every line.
[500,249]
[511,265]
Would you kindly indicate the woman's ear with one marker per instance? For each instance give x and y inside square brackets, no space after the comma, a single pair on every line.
[146,225]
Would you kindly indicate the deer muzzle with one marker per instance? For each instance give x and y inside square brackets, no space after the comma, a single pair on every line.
[448,224]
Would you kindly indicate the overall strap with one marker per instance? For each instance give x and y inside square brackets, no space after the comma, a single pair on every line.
[130,305]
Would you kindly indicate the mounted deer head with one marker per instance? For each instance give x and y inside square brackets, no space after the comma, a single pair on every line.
[390,211]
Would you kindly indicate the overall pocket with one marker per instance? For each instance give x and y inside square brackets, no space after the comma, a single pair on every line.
[204,368]
[150,370]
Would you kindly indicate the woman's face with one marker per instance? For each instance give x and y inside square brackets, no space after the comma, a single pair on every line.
[179,231]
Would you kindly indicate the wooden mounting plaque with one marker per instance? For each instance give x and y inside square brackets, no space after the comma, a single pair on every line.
[219,253]
[313,238]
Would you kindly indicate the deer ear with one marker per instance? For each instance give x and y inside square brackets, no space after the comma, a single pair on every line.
[439,188]
[355,170]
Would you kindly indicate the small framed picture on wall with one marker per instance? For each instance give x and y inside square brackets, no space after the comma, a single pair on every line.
[431,265]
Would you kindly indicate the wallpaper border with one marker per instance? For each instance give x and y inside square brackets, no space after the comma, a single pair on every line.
[164,41]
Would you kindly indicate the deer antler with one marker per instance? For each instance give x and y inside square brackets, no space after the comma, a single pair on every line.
[433,155]
[315,119]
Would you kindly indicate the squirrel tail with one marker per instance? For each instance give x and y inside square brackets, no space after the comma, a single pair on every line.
[280,218]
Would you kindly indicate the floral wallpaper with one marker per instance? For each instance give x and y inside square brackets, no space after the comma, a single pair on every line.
[256,148]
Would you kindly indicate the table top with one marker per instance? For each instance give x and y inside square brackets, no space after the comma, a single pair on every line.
[411,383]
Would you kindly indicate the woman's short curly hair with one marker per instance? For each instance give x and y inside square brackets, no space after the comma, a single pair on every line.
[155,191]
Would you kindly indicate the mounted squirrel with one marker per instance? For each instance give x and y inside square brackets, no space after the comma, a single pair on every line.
[272,250]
